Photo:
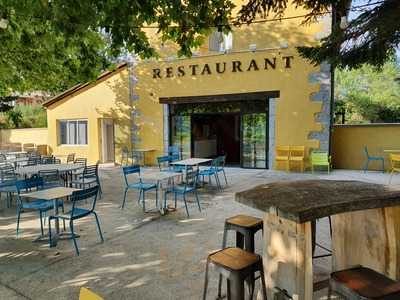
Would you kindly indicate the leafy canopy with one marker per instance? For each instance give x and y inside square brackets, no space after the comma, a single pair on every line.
[368,95]
[53,44]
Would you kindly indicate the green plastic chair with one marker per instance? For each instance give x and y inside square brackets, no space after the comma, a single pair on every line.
[320,159]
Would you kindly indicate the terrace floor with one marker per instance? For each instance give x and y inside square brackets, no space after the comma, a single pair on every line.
[144,256]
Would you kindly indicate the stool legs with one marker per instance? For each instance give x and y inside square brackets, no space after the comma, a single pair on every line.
[206,282]
[224,237]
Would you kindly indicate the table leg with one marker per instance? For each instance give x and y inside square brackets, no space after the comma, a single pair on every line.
[288,257]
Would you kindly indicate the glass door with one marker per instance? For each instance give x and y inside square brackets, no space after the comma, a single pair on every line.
[181,134]
[254,140]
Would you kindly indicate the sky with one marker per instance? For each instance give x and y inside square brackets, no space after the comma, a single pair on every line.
[354,14]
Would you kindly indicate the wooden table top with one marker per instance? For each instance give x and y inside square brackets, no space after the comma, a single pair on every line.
[191,161]
[51,194]
[306,200]
[392,150]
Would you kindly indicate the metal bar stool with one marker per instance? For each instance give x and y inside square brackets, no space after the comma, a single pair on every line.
[245,228]
[361,283]
[236,265]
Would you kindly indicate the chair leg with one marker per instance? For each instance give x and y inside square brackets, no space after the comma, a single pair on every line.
[366,166]
[205,282]
[50,241]
[165,200]
[18,218]
[157,197]
[123,202]
[184,200]
[226,181]
[71,226]
[98,226]
[197,199]
[144,202]
[41,222]
[217,182]
[175,198]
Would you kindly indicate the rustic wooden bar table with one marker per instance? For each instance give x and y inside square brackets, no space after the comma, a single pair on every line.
[365,229]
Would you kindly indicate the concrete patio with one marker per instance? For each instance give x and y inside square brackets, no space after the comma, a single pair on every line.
[144,256]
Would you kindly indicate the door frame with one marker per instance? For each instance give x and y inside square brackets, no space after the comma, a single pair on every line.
[104,138]
[266,138]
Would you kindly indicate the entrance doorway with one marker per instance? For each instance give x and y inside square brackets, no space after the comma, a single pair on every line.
[108,154]
[237,129]
[215,135]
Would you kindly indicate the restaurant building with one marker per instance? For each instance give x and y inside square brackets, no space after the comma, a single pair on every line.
[239,95]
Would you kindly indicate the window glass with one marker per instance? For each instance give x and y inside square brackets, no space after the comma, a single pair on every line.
[82,132]
[73,132]
[63,132]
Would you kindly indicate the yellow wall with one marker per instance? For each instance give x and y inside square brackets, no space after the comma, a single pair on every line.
[349,142]
[295,112]
[106,99]
[37,136]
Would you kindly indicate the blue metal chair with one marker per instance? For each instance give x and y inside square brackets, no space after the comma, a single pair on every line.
[211,171]
[173,150]
[176,168]
[79,211]
[88,177]
[141,186]
[190,186]
[163,163]
[8,179]
[51,178]
[42,206]
[373,158]
[221,166]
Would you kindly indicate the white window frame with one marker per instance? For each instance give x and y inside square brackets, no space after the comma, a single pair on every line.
[77,137]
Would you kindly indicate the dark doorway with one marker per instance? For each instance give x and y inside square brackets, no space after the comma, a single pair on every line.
[216,134]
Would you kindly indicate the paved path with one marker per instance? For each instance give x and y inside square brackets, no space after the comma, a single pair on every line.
[144,256]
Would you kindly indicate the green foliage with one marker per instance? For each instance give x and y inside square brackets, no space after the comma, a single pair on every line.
[52,45]
[14,118]
[25,116]
[367,94]
[372,37]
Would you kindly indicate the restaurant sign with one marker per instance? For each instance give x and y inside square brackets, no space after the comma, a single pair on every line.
[235,66]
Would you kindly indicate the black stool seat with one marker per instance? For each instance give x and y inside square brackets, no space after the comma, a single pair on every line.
[236,265]
[364,283]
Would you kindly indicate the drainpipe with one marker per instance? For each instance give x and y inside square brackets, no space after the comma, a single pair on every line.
[132,81]
[332,96]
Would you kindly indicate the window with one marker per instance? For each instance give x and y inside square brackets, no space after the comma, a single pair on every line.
[221,42]
[73,132]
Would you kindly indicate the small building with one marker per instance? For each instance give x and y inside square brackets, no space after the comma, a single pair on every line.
[240,95]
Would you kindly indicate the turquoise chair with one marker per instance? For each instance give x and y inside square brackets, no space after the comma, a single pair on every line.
[79,211]
[212,171]
[141,186]
[41,206]
[189,187]
[373,158]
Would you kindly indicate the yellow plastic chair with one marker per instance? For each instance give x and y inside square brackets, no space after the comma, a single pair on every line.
[296,155]
[320,159]
[395,165]
[282,155]
[86,294]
